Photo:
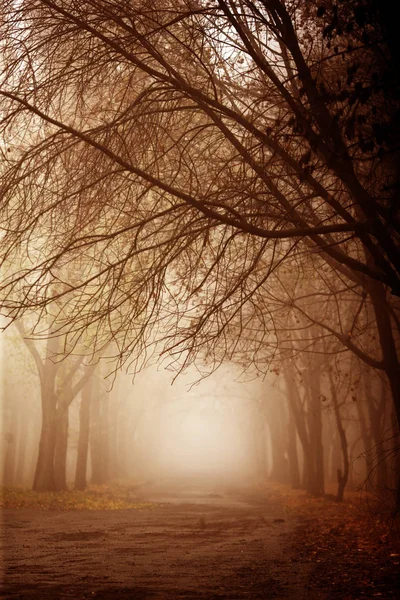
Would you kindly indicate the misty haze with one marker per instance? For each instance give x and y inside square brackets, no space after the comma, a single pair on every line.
[199,300]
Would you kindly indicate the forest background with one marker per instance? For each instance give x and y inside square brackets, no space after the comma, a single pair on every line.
[214,185]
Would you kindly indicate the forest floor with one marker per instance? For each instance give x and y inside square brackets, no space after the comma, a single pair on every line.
[158,543]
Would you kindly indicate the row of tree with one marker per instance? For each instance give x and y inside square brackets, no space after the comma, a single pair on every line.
[45,428]
[311,424]
[219,178]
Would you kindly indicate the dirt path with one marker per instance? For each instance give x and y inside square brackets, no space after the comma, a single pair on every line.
[188,545]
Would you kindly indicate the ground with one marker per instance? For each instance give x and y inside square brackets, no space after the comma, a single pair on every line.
[199,544]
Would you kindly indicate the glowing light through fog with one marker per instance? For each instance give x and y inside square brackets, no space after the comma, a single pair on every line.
[205,443]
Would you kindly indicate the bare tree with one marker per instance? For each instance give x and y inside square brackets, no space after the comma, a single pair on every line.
[176,156]
[58,388]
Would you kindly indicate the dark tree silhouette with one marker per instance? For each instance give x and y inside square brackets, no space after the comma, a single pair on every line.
[176,158]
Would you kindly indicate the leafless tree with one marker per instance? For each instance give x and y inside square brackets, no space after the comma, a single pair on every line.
[175,157]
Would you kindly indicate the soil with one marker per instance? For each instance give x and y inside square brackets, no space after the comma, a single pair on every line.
[189,545]
[193,544]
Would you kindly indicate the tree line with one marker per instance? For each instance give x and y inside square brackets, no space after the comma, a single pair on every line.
[218,178]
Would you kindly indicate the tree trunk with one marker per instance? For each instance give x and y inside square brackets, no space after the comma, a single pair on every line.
[342,476]
[278,437]
[261,450]
[396,459]
[83,441]
[336,456]
[23,436]
[294,468]
[61,449]
[376,404]
[99,446]
[366,440]
[9,460]
[297,410]
[380,466]
[44,480]
[113,411]
[388,346]
[11,439]
[122,443]
[314,420]
[44,474]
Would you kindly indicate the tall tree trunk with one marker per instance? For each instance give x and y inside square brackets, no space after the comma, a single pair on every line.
[99,444]
[278,437]
[342,475]
[61,449]
[9,430]
[23,435]
[366,441]
[388,346]
[113,411]
[44,480]
[122,443]
[377,409]
[336,456]
[396,458]
[380,466]
[294,468]
[11,440]
[9,459]
[314,420]
[83,441]
[261,451]
[44,474]
[297,410]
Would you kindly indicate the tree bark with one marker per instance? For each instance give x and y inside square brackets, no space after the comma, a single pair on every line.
[83,440]
[294,468]
[297,410]
[342,476]
[387,343]
[61,449]
[23,436]
[99,442]
[44,474]
[44,480]
[278,437]
[391,362]
[396,459]
[9,460]
[11,440]
[261,451]
[314,420]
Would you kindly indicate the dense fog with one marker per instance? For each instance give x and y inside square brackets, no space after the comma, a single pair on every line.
[227,429]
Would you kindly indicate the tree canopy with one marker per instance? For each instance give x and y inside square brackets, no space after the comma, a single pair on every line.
[167,166]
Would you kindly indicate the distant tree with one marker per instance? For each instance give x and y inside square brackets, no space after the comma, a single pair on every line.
[337,399]
[181,154]
[83,439]
[20,417]
[60,382]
